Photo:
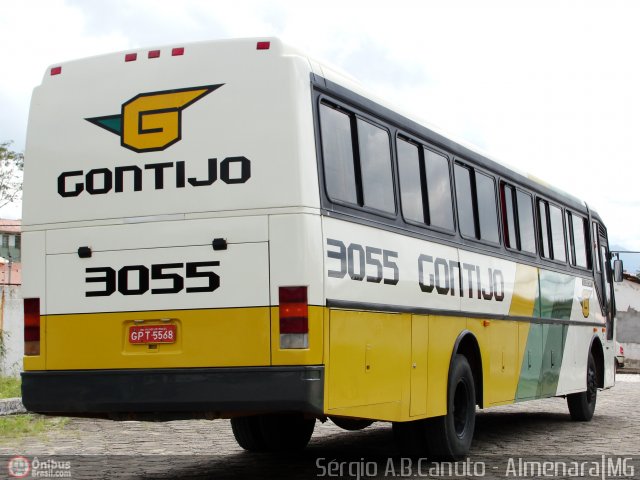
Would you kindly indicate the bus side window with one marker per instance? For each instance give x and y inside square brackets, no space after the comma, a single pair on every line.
[375,166]
[595,249]
[411,174]
[425,186]
[476,200]
[577,239]
[439,190]
[545,252]
[557,234]
[464,199]
[487,210]
[598,265]
[338,157]
[525,222]
[606,271]
[519,227]
[509,216]
[608,287]
[551,233]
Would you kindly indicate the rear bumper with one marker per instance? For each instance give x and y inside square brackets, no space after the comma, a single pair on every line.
[221,391]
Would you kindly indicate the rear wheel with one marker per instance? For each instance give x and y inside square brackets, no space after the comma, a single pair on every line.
[450,436]
[411,437]
[247,432]
[583,404]
[286,431]
[274,433]
[351,424]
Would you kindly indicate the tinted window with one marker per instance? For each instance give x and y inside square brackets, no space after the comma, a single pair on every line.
[465,201]
[579,241]
[338,155]
[375,163]
[526,223]
[595,247]
[487,212]
[410,186]
[606,268]
[544,235]
[439,190]
[510,239]
[557,233]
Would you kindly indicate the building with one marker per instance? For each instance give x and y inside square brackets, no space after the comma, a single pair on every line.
[11,309]
[10,252]
[628,328]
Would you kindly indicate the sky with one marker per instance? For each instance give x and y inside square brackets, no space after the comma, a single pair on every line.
[548,87]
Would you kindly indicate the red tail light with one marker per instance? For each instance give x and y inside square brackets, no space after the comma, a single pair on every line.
[263,46]
[32,326]
[294,317]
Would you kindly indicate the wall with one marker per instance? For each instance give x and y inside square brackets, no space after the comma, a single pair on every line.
[628,316]
[12,330]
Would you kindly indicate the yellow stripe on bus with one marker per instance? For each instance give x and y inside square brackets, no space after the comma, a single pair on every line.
[205,338]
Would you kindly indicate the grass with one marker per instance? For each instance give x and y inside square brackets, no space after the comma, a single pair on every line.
[24,425]
[9,387]
[27,425]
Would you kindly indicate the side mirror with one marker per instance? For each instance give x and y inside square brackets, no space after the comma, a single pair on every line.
[617,271]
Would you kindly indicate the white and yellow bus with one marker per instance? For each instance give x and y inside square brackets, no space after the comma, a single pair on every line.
[231,229]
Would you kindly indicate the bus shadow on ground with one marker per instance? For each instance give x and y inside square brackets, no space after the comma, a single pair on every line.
[354,454]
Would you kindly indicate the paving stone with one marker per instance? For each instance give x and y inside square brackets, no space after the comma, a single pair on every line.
[207,449]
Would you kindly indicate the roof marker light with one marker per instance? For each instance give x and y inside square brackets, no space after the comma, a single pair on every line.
[56,70]
[154,53]
[263,45]
[130,57]
[177,51]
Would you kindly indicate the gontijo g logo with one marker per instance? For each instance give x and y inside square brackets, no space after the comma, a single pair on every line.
[150,122]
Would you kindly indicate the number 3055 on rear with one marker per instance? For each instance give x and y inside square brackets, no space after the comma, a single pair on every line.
[160,279]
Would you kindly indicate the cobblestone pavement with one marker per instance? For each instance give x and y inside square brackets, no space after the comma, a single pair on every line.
[207,449]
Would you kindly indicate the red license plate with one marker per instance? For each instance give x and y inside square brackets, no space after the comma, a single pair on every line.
[152,334]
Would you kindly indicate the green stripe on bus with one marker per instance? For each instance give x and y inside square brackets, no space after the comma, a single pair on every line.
[544,350]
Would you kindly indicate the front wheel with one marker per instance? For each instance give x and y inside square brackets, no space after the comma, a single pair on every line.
[583,404]
[450,436]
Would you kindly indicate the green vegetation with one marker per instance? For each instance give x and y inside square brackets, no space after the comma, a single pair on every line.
[9,387]
[24,425]
[11,166]
[27,425]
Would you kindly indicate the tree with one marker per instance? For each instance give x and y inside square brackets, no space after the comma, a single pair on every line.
[11,167]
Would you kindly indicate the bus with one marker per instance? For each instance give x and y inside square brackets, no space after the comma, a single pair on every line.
[232,229]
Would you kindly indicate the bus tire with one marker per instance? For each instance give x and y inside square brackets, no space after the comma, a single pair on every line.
[286,431]
[583,404]
[248,433]
[411,437]
[450,436]
[351,424]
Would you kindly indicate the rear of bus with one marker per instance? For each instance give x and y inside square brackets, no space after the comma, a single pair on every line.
[170,198]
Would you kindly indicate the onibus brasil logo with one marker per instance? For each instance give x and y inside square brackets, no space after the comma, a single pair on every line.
[151,122]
